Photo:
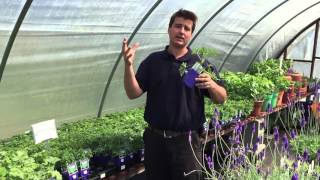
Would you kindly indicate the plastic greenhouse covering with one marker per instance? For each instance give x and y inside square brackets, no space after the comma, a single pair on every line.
[65,60]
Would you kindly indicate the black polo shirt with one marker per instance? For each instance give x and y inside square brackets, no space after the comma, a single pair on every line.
[171,105]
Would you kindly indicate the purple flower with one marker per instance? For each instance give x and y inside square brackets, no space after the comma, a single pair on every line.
[246,149]
[262,126]
[216,112]
[269,108]
[237,139]
[213,147]
[276,134]
[299,94]
[261,155]
[213,121]
[295,177]
[290,70]
[298,158]
[302,122]
[253,128]
[295,165]
[255,147]
[238,128]
[293,134]
[305,155]
[285,142]
[259,139]
[218,126]
[209,161]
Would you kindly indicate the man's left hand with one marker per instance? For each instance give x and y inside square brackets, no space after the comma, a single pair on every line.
[204,81]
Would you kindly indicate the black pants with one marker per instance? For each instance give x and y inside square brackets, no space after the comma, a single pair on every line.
[171,158]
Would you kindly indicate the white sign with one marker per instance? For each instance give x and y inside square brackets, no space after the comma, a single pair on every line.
[44,131]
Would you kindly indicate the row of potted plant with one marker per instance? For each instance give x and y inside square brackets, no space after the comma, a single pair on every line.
[114,135]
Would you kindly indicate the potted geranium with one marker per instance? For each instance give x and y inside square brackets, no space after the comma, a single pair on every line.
[281,84]
[260,87]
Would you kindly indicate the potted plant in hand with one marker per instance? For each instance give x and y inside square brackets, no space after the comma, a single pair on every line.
[189,73]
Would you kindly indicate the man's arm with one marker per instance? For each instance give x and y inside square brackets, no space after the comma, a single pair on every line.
[131,85]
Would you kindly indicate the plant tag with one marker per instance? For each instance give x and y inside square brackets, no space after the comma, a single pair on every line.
[84,164]
[85,172]
[44,131]
[198,67]
[311,97]
[142,158]
[122,167]
[103,175]
[74,176]
[72,168]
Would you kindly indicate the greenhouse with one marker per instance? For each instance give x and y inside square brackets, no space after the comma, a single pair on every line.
[103,89]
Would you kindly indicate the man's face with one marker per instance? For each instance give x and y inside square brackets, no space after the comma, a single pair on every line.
[180,32]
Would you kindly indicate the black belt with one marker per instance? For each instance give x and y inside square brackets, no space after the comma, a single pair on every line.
[168,133]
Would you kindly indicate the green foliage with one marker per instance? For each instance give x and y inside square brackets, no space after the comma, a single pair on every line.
[113,134]
[242,86]
[310,142]
[229,109]
[281,83]
[260,87]
[287,64]
[205,52]
[182,69]
[19,165]
[201,66]
[268,68]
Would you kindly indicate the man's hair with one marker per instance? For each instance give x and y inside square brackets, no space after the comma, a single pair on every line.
[185,14]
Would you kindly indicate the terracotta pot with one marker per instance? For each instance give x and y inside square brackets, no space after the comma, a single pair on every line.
[288,77]
[257,108]
[280,96]
[296,77]
[292,92]
[286,97]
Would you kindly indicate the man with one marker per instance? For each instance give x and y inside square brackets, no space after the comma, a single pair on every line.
[173,110]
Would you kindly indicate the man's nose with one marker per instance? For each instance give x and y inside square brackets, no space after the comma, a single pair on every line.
[182,30]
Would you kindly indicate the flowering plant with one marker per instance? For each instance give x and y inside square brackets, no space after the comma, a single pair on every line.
[200,66]
[237,158]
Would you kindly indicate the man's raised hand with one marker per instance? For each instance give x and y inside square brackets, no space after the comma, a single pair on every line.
[128,53]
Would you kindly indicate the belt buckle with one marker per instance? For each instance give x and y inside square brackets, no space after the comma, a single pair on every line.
[165,135]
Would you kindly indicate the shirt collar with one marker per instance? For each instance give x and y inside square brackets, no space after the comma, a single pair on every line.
[185,57]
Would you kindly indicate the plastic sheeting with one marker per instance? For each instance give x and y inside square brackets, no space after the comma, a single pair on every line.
[65,50]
